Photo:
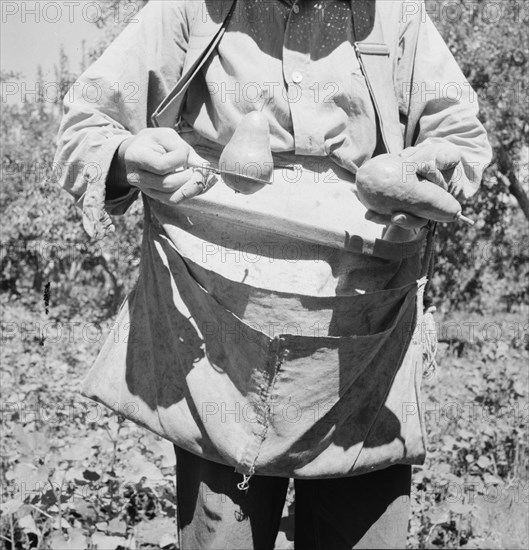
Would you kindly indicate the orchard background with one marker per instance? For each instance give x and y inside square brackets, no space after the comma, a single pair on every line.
[75,476]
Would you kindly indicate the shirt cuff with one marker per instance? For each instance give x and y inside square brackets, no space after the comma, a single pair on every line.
[95,208]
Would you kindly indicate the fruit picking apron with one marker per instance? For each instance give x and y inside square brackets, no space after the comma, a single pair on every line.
[273,382]
[272,375]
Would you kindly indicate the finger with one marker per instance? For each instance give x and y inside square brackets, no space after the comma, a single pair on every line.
[457,180]
[196,160]
[448,156]
[426,167]
[375,217]
[408,153]
[408,221]
[435,176]
[180,178]
[438,155]
[160,196]
[171,141]
[163,151]
[198,184]
[161,163]
[194,185]
[166,184]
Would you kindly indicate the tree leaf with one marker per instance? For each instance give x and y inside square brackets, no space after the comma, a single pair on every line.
[139,467]
[165,450]
[84,509]
[91,475]
[460,508]
[77,451]
[439,516]
[31,443]
[28,525]
[29,478]
[151,531]
[117,526]
[106,542]
[11,506]
[168,540]
[489,479]
[75,540]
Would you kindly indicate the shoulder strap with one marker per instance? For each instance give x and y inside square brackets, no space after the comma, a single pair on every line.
[375,61]
[374,58]
[206,33]
[373,55]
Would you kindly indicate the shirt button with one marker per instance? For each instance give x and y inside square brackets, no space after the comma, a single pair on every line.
[295,9]
[297,77]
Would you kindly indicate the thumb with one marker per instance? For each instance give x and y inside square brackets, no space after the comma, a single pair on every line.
[448,156]
[194,159]
[179,153]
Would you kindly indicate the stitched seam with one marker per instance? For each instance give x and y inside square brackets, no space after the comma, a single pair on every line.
[279,358]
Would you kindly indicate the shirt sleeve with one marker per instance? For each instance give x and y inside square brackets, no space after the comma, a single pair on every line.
[441,105]
[114,99]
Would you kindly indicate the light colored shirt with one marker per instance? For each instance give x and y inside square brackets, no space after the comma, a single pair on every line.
[329,111]
[300,68]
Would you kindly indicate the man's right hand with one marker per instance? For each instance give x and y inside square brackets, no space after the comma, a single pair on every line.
[160,163]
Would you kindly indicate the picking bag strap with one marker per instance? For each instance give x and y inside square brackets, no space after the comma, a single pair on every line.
[374,57]
[168,112]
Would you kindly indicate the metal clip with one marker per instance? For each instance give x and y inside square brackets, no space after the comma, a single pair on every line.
[208,176]
[245,483]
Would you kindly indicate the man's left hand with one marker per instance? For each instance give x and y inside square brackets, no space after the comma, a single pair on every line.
[435,162]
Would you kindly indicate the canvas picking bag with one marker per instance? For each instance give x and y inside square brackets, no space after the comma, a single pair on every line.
[268,381]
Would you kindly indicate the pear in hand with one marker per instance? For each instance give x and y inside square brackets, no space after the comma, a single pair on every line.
[248,153]
[385,186]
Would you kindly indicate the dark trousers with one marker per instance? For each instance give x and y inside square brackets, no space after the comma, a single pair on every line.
[367,511]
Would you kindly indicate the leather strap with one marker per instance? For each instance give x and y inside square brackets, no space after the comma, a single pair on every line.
[373,55]
[375,61]
[212,27]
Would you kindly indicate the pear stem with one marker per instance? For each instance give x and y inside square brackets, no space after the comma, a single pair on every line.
[460,217]
[264,100]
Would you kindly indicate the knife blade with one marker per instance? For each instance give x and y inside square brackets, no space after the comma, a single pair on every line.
[243,178]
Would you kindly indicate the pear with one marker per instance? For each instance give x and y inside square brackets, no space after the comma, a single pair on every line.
[385,186]
[248,154]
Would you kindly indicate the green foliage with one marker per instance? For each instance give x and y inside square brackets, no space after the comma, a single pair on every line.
[489,41]
[42,237]
[74,475]
[472,490]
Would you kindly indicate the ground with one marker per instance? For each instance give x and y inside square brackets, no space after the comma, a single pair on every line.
[76,476]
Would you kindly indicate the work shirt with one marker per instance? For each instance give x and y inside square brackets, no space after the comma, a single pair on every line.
[301,71]
[245,328]
[300,68]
